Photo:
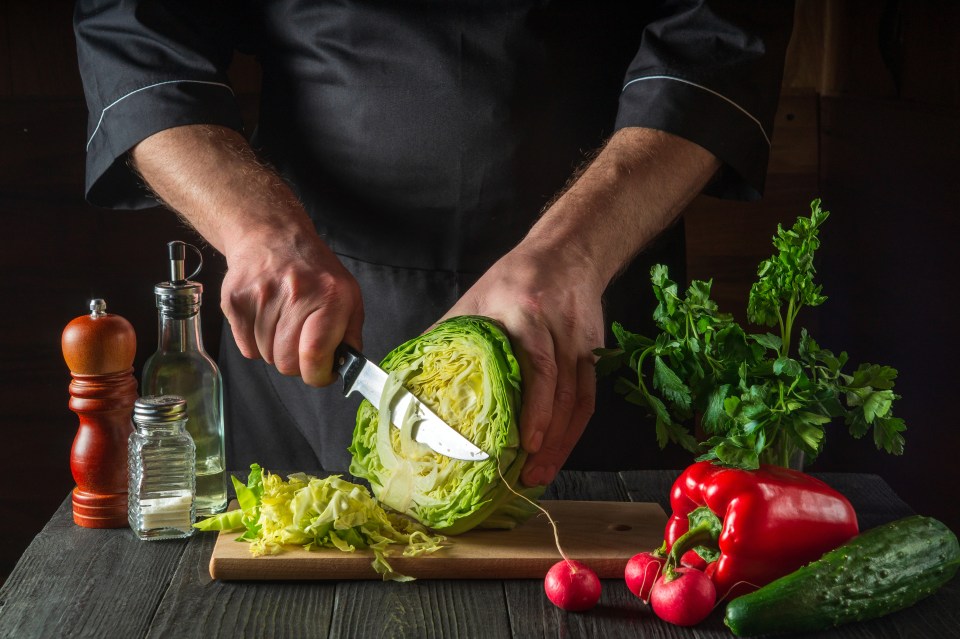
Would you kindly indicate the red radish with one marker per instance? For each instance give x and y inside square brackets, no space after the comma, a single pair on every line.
[572,586]
[693,560]
[569,584]
[683,597]
[641,572]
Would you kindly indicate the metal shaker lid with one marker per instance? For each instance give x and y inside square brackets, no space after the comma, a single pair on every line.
[160,409]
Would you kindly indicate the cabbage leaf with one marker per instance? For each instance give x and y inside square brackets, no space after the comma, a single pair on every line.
[320,513]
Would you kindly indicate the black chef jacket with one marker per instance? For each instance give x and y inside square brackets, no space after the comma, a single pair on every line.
[424,137]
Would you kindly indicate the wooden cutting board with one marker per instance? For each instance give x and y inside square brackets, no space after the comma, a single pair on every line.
[602,534]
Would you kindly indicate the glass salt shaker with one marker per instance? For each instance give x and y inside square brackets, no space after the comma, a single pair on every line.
[161,464]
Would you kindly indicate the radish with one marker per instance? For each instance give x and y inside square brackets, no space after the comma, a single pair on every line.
[569,584]
[641,572]
[683,597]
[572,586]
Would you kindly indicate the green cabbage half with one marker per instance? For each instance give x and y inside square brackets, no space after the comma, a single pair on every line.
[465,371]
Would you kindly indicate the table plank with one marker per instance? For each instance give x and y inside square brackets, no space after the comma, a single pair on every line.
[596,486]
[88,582]
[650,485]
[449,609]
[197,606]
[872,498]
[619,613]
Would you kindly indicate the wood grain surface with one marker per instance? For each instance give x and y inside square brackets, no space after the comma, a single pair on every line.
[603,534]
[85,583]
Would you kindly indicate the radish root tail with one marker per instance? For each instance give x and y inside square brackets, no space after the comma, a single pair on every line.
[553,524]
[730,589]
[655,576]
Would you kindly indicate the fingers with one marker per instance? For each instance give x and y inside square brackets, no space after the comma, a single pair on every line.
[300,308]
[294,318]
[268,313]
[266,319]
[240,309]
[315,350]
[318,342]
[574,399]
[539,370]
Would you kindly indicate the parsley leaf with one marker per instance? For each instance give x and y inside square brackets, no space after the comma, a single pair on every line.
[757,401]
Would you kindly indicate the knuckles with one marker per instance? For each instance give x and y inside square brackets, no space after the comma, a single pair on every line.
[287,365]
[566,399]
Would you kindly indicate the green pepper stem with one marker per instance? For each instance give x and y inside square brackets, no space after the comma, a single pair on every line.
[661,551]
[703,534]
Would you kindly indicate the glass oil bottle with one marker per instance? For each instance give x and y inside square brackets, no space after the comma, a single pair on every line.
[182,367]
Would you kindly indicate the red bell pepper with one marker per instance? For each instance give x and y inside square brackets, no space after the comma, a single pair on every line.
[764,523]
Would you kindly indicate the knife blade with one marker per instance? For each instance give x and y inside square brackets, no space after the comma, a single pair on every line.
[363,376]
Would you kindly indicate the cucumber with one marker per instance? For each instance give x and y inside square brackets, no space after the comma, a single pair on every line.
[880,571]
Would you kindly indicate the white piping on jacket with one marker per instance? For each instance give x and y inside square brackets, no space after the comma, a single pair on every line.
[115,102]
[708,90]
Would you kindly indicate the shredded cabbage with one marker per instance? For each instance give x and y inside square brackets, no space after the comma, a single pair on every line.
[313,512]
[465,371]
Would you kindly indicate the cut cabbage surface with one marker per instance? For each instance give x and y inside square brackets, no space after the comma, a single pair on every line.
[465,371]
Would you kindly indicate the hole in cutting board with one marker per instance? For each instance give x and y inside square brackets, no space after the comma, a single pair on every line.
[619,527]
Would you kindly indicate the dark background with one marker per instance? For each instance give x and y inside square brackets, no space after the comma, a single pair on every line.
[869,121]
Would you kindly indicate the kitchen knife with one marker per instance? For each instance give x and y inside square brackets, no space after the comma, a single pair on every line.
[361,375]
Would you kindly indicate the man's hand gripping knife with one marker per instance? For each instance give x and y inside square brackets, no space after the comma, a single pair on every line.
[287,297]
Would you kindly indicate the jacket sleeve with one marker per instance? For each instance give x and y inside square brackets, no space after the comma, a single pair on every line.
[710,72]
[149,65]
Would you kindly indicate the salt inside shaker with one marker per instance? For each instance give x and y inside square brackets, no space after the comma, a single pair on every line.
[161,461]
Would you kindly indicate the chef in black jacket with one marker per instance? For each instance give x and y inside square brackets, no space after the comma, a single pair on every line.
[405,167]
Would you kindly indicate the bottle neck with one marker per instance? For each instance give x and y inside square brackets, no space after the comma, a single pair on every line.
[180,333]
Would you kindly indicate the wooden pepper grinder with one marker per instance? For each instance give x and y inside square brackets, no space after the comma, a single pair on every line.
[99,349]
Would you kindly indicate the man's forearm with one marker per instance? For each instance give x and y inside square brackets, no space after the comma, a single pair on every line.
[636,187]
[211,177]
[286,295]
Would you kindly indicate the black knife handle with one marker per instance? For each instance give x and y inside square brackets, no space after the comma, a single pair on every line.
[349,362]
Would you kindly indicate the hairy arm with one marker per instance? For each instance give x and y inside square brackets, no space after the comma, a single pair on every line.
[547,290]
[286,295]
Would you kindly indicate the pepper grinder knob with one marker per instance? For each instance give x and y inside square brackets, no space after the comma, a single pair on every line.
[99,349]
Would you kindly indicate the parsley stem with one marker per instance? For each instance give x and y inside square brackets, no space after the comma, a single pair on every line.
[784,452]
[642,357]
[785,329]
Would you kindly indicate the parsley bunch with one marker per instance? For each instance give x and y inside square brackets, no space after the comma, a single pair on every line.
[758,402]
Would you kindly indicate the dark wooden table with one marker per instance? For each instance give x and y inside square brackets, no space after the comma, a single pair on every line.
[105,583]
